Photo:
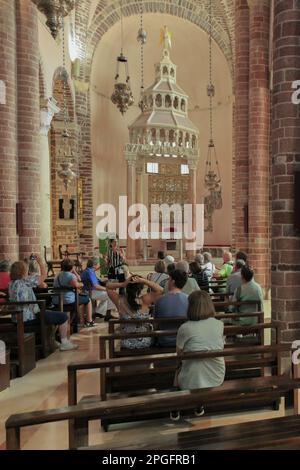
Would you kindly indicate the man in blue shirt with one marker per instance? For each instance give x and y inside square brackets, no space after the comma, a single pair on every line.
[98,292]
[172,304]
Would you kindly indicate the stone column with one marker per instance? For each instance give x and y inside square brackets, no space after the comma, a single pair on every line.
[241,122]
[48,109]
[9,245]
[193,201]
[28,126]
[139,200]
[131,159]
[259,252]
[285,162]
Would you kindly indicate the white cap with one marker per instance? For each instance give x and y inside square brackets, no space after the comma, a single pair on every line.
[169,260]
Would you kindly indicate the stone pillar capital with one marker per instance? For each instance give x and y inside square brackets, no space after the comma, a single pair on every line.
[131,158]
[48,109]
[193,163]
[258,3]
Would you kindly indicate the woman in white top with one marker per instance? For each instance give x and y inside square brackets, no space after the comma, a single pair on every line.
[208,265]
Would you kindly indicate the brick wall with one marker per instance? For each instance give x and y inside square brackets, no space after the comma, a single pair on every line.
[286,160]
[28,125]
[241,122]
[259,166]
[8,133]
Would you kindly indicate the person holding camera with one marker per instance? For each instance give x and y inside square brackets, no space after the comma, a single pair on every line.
[21,290]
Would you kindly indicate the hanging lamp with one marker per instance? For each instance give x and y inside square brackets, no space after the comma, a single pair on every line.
[66,174]
[212,179]
[55,11]
[122,96]
[142,39]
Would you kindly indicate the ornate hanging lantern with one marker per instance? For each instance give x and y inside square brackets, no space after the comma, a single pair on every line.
[66,174]
[142,39]
[212,180]
[122,96]
[55,11]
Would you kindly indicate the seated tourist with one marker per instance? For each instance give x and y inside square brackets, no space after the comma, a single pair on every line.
[140,294]
[69,278]
[171,267]
[160,276]
[21,290]
[248,291]
[169,260]
[208,265]
[227,267]
[199,275]
[191,284]
[202,332]
[4,278]
[235,279]
[98,291]
[242,256]
[161,255]
[172,304]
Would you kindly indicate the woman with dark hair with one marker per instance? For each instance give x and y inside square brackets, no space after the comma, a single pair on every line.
[140,294]
[199,275]
[202,332]
[69,278]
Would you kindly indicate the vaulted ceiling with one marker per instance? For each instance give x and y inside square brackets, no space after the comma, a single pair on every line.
[95,17]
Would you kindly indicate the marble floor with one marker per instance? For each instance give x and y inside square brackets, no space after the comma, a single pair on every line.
[46,387]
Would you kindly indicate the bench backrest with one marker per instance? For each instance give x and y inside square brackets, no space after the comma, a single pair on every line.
[80,415]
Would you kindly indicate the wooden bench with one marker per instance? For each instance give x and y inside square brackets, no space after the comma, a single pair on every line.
[44,334]
[161,378]
[107,342]
[268,434]
[5,372]
[80,415]
[52,263]
[20,344]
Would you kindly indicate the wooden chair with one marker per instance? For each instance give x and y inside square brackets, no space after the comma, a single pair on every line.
[20,343]
[5,372]
[51,263]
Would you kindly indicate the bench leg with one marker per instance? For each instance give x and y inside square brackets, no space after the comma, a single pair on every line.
[13,441]
[80,433]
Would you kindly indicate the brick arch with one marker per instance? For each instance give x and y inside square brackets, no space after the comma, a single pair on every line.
[57,93]
[194,12]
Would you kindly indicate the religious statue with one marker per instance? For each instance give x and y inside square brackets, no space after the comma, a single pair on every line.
[165,39]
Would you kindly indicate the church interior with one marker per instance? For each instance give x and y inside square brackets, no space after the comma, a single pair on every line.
[150,224]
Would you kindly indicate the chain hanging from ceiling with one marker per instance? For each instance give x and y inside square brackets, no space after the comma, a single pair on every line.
[55,12]
[122,96]
[142,39]
[212,180]
[66,174]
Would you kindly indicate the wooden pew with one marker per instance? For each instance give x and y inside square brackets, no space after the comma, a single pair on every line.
[20,344]
[162,376]
[268,434]
[5,372]
[139,407]
[44,336]
[111,338]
